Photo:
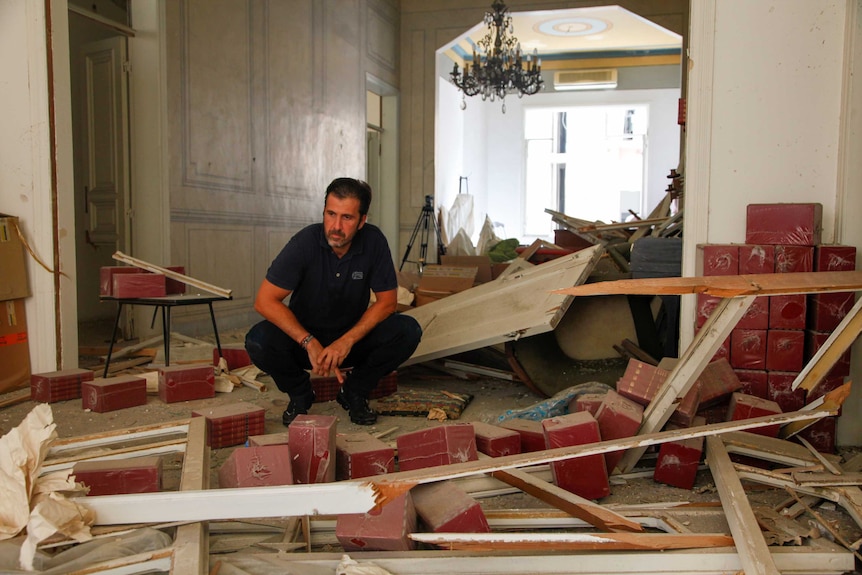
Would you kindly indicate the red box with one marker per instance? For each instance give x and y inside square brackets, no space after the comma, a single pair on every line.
[778,390]
[678,461]
[113,393]
[834,258]
[531,432]
[719,259]
[687,408]
[172,286]
[58,385]
[442,445]
[312,444]
[186,382]
[794,259]
[618,417]
[785,350]
[584,476]
[756,316]
[748,348]
[826,310]
[446,508]
[256,467]
[716,382]
[756,259]
[234,354]
[586,402]
[383,528]
[748,407]
[723,351]
[362,455]
[232,424]
[641,381]
[753,382]
[326,388]
[787,224]
[139,285]
[106,277]
[496,441]
[821,434]
[787,311]
[112,477]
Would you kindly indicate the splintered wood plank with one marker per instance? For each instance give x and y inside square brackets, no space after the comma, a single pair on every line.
[807,478]
[191,545]
[832,401]
[781,529]
[727,286]
[772,449]
[686,371]
[509,308]
[839,341]
[579,507]
[752,549]
[572,541]
[207,287]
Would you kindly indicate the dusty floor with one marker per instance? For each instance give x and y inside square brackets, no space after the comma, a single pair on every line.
[491,397]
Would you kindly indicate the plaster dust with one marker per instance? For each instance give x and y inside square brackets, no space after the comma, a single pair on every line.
[491,397]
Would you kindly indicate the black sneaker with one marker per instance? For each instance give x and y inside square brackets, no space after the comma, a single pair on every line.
[357,406]
[297,406]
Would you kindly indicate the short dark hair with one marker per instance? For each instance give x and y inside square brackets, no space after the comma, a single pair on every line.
[351,188]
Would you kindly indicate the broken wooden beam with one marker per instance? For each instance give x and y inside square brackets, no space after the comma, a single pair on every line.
[555,542]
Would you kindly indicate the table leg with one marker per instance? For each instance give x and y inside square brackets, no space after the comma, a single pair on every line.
[166,332]
[215,329]
[113,338]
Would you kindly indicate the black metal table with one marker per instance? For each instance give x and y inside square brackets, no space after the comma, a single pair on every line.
[165,303]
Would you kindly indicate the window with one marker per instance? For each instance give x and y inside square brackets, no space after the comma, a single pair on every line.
[587,162]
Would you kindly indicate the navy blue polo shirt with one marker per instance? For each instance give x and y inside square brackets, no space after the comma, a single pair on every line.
[330,294]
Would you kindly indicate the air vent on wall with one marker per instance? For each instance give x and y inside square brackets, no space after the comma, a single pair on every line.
[597,79]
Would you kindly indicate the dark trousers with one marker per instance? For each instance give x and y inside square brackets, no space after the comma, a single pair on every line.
[380,352]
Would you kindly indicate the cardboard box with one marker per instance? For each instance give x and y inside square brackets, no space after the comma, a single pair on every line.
[13,280]
[481,263]
[788,224]
[14,349]
[438,282]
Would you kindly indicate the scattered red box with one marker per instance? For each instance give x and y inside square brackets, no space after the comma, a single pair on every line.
[232,424]
[834,258]
[446,508]
[139,285]
[826,310]
[326,388]
[785,350]
[753,382]
[716,382]
[172,286]
[384,528]
[584,476]
[58,385]
[496,441]
[748,407]
[787,224]
[531,432]
[116,476]
[235,355]
[678,461]
[748,348]
[586,402]
[113,393]
[256,467]
[687,408]
[778,390]
[642,381]
[362,455]
[282,438]
[442,445]
[618,417]
[794,259]
[719,259]
[186,382]
[312,445]
[787,311]
[756,316]
[821,434]
[756,259]
[106,277]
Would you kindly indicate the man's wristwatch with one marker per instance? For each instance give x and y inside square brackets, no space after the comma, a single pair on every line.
[305,341]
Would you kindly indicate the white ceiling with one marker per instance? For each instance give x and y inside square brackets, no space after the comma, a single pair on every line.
[558,34]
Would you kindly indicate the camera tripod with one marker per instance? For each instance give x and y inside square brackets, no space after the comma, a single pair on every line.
[423,229]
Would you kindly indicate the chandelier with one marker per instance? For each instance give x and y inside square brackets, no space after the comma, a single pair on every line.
[500,68]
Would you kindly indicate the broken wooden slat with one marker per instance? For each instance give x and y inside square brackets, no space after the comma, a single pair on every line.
[826,524]
[752,549]
[686,371]
[553,542]
[593,228]
[472,319]
[812,479]
[225,293]
[831,467]
[771,449]
[832,401]
[123,436]
[480,370]
[191,544]
[579,507]
[727,286]
[783,529]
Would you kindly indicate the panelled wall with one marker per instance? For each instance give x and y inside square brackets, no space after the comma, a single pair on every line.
[266,101]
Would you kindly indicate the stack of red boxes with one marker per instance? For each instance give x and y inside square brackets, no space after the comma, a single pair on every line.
[778,335]
[232,424]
